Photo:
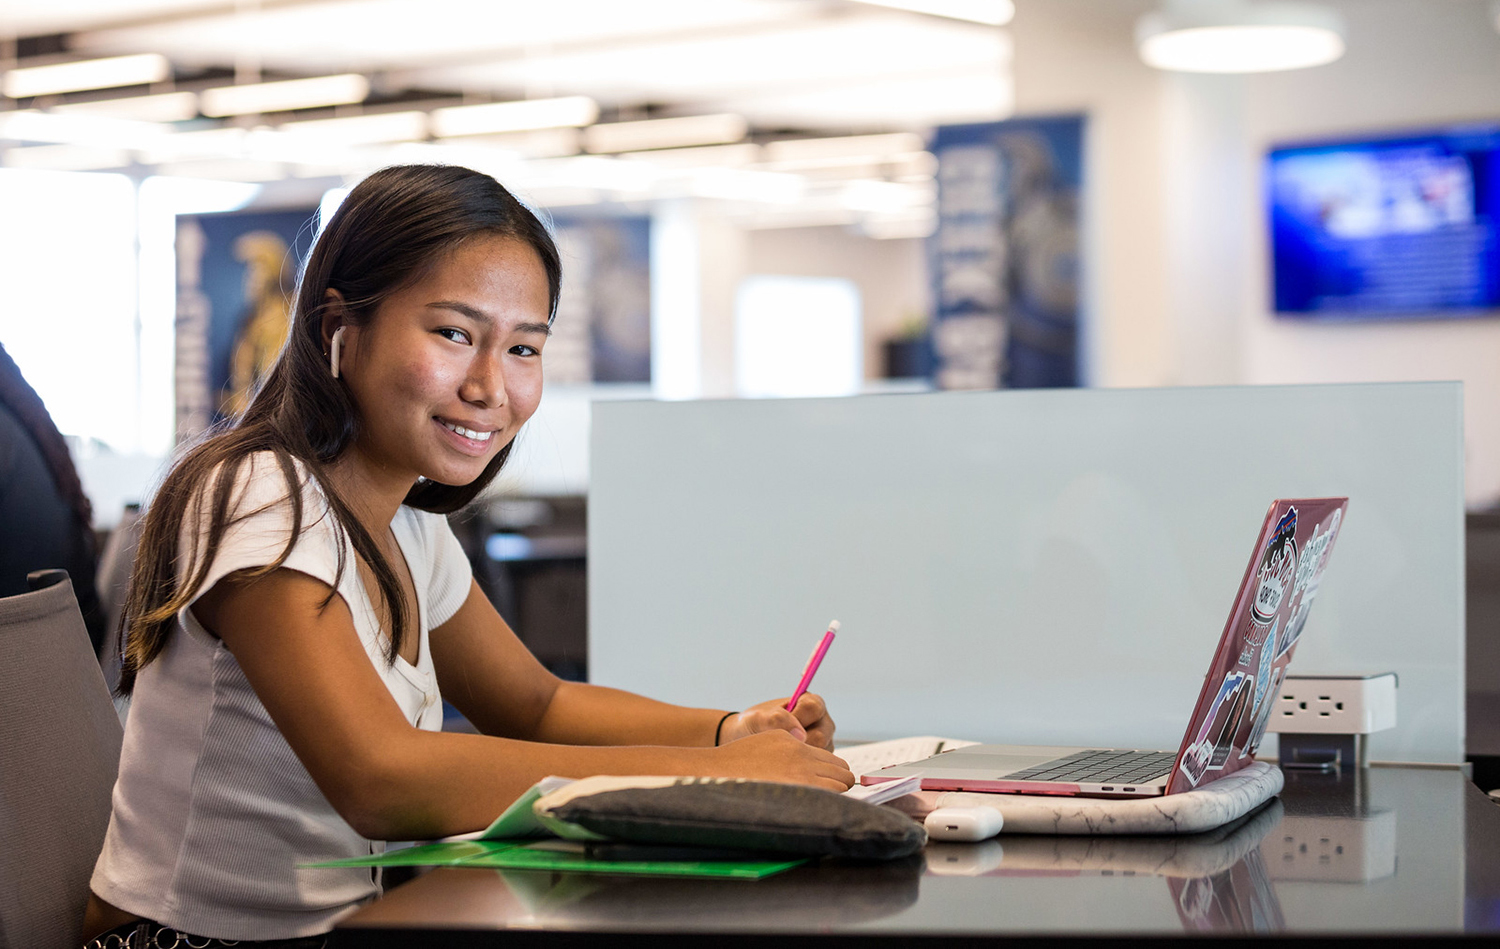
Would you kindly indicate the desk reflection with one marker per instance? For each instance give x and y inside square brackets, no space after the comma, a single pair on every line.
[1217,880]
[844,893]
[1388,850]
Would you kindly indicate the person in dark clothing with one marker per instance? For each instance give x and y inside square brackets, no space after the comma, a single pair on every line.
[45,518]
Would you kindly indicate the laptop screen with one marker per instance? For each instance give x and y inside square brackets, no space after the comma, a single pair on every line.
[1256,647]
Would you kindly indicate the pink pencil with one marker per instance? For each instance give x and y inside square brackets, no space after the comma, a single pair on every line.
[813,661]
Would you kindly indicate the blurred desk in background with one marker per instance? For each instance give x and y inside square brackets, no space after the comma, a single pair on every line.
[1383,852]
[530,558]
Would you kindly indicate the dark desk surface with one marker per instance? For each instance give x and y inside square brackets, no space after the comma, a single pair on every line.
[1386,851]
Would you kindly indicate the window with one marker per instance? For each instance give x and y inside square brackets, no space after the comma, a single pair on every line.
[797,336]
[68,298]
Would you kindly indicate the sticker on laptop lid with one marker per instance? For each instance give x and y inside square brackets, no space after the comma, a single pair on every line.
[1200,755]
[1315,555]
[1278,567]
[1229,725]
[1263,718]
[1195,762]
[1263,670]
[1309,578]
[1258,638]
[1293,630]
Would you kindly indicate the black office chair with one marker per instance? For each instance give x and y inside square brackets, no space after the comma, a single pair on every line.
[59,752]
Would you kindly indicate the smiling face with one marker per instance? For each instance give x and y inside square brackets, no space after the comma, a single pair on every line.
[449,368]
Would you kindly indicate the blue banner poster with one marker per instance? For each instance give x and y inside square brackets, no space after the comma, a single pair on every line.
[602,332]
[236,275]
[1005,255]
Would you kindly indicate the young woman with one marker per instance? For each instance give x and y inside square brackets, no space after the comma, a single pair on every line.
[299,603]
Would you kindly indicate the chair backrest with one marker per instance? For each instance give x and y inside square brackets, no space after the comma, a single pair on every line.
[59,752]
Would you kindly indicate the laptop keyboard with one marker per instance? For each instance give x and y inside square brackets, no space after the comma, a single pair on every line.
[1101,767]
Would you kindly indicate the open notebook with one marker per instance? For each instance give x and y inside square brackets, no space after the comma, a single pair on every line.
[872,756]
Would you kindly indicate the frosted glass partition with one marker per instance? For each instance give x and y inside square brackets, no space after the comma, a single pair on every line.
[1040,566]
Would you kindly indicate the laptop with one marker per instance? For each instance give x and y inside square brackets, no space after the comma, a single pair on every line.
[1234,706]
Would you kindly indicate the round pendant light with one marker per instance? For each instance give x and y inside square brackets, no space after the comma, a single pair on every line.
[1236,36]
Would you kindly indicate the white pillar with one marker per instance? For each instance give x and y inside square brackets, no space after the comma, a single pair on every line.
[698,258]
[1209,218]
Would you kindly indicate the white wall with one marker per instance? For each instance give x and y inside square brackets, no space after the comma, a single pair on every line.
[891,275]
[1411,64]
[1178,286]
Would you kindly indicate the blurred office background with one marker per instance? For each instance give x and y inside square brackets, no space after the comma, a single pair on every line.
[762,198]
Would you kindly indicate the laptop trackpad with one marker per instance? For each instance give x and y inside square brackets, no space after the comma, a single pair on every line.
[994,760]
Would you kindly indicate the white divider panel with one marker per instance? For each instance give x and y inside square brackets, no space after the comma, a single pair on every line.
[1041,566]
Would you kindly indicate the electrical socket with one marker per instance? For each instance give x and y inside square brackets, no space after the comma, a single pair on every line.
[1335,705]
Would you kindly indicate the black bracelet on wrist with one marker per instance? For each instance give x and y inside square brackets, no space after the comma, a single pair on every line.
[719,729]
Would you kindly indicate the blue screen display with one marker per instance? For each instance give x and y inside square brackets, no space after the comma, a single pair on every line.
[1400,226]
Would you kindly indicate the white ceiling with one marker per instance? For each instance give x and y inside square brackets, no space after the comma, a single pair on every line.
[34,17]
[827,64]
[789,67]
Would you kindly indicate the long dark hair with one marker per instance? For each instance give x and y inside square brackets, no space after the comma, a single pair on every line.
[387,234]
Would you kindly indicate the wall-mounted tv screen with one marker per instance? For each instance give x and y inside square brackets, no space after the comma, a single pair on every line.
[1397,226]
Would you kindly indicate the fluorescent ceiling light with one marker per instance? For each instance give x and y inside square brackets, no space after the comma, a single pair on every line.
[109,73]
[885,196]
[845,146]
[916,166]
[707,156]
[735,184]
[92,130]
[227,169]
[253,98]
[915,101]
[518,116]
[500,163]
[560,196]
[66,157]
[395,33]
[591,171]
[992,12]
[1235,36]
[363,129]
[168,107]
[532,143]
[205,143]
[880,49]
[271,146]
[720,129]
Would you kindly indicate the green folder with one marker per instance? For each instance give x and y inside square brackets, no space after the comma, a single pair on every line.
[446,853]
[523,855]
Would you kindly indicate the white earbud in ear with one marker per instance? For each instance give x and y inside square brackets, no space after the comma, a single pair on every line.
[333,350]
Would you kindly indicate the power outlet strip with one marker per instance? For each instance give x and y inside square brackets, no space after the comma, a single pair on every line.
[1335,705]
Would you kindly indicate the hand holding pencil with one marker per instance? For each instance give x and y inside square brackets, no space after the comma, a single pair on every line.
[804,714]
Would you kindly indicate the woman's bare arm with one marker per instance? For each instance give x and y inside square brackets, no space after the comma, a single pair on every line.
[521,699]
[392,781]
